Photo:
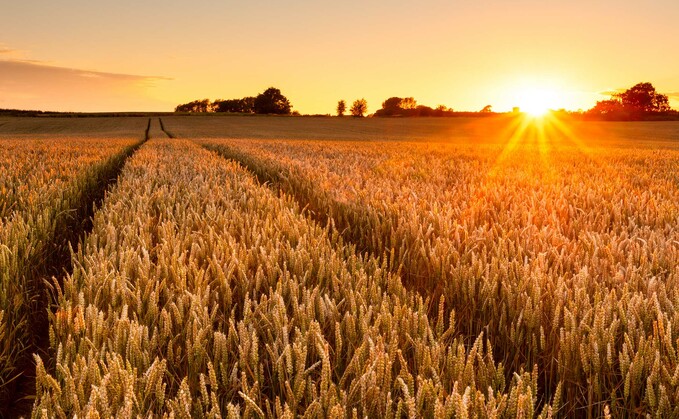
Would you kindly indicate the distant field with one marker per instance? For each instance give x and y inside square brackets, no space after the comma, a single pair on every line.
[46,127]
[467,131]
[273,266]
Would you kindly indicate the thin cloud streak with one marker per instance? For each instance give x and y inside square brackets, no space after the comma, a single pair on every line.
[611,92]
[36,66]
[35,85]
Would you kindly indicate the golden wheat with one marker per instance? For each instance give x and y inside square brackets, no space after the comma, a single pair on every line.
[43,184]
[565,255]
[200,293]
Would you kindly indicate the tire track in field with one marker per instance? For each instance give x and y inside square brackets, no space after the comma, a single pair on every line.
[347,220]
[348,229]
[46,277]
[349,226]
[148,129]
[162,128]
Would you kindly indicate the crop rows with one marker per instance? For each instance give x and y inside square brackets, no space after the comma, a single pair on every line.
[200,293]
[564,256]
[46,186]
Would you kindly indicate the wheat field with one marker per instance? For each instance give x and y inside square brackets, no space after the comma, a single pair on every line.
[312,267]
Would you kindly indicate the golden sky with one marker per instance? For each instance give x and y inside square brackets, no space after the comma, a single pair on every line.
[89,55]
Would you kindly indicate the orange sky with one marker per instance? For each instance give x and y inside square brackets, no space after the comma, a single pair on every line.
[79,55]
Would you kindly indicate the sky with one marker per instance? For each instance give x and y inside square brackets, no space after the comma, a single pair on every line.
[90,55]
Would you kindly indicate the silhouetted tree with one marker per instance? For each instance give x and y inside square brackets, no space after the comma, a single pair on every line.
[390,107]
[248,104]
[637,102]
[642,97]
[487,109]
[421,110]
[408,107]
[359,108]
[195,106]
[272,101]
[607,107]
[244,105]
[396,106]
[341,107]
[408,103]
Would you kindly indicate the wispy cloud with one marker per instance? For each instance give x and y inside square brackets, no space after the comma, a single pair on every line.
[611,92]
[33,67]
[38,85]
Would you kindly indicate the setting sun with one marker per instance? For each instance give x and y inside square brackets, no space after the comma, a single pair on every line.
[537,101]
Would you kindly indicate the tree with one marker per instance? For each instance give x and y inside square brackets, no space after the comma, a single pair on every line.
[244,105]
[396,106]
[248,104]
[634,103]
[359,108]
[195,106]
[341,107]
[408,103]
[421,110]
[487,109]
[408,107]
[642,97]
[272,101]
[391,106]
[607,107]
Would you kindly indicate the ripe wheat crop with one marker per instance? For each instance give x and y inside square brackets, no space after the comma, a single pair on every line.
[564,254]
[43,185]
[200,293]
[531,275]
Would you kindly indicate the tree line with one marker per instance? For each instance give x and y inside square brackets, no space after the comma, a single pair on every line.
[639,102]
[405,107]
[270,101]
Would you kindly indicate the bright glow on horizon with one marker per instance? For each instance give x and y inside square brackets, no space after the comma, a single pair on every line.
[538,99]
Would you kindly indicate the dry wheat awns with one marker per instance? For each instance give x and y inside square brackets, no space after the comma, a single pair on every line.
[564,257]
[43,185]
[291,278]
[220,298]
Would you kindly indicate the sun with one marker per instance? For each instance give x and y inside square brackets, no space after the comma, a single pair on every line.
[536,100]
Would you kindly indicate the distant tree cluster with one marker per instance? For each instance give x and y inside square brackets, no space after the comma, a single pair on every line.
[271,101]
[396,106]
[203,105]
[244,105]
[406,107]
[638,102]
[22,112]
[358,109]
